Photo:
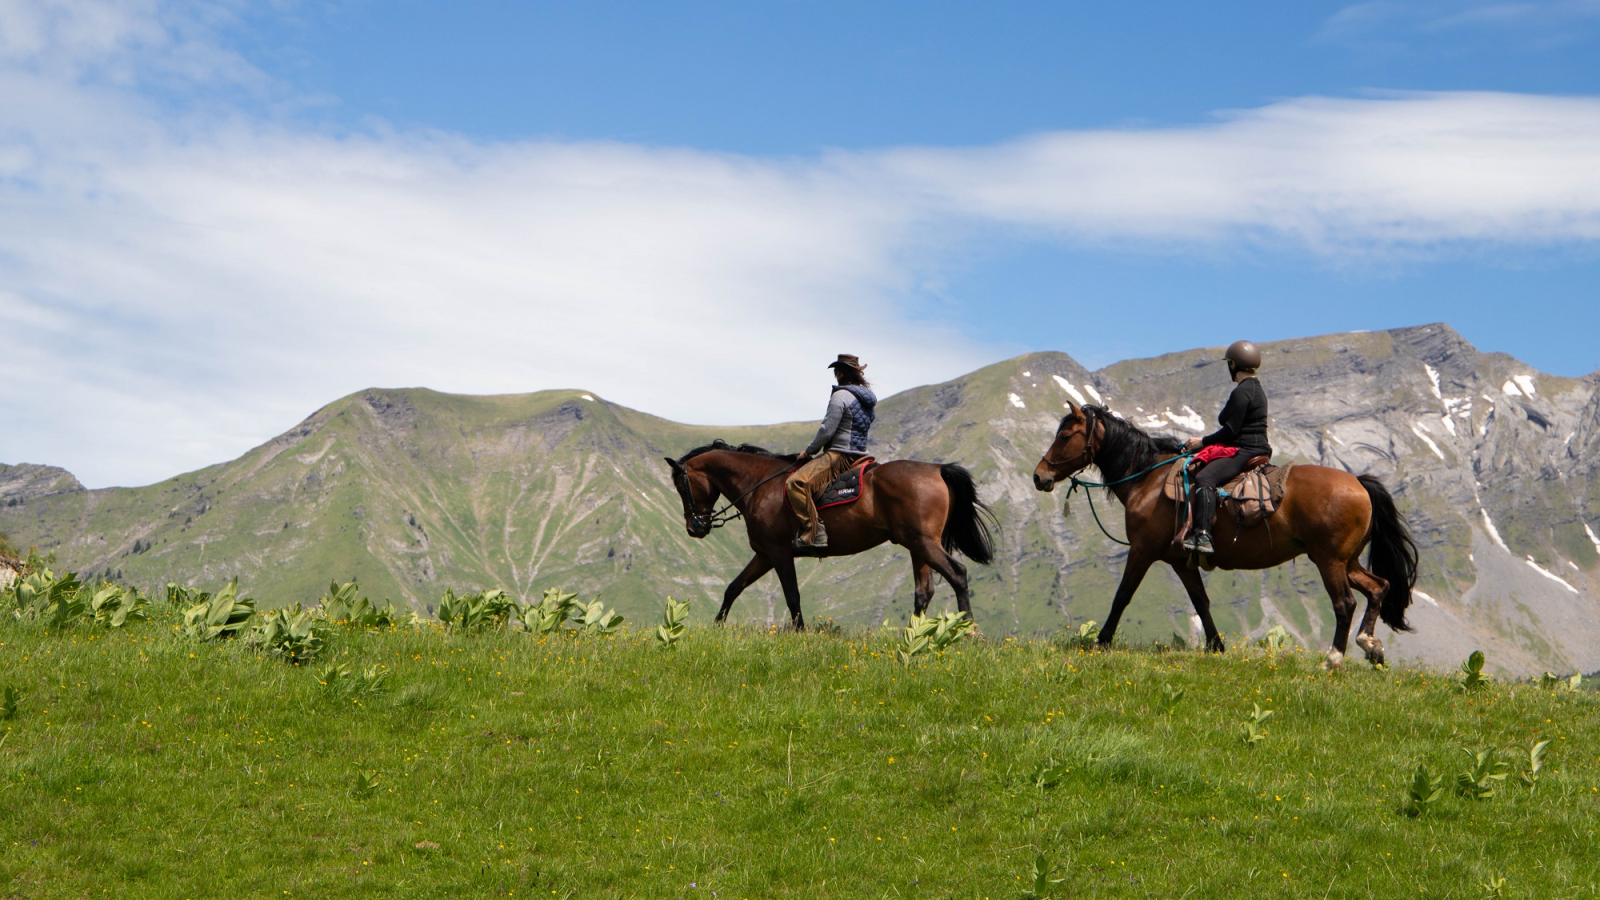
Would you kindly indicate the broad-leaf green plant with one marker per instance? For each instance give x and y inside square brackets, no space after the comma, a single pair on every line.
[1473,678]
[1425,790]
[114,605]
[1483,774]
[1276,638]
[1254,733]
[364,784]
[470,613]
[933,634]
[341,682]
[10,700]
[595,618]
[1552,682]
[222,616]
[674,621]
[550,613]
[292,635]
[1170,697]
[1535,764]
[43,595]
[1085,638]
[1042,885]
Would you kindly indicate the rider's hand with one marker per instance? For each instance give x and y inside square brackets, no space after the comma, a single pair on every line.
[1191,445]
[803,457]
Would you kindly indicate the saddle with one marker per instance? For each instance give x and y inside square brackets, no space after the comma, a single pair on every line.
[847,488]
[1251,498]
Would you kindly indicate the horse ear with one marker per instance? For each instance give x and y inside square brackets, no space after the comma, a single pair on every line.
[676,466]
[1076,409]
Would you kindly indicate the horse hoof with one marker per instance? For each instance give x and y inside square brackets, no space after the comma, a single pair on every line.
[1372,647]
[1334,661]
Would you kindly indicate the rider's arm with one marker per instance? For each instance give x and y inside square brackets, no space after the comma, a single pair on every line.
[1232,421]
[830,422]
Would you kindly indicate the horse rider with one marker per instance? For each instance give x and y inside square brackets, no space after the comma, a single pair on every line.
[1227,451]
[839,444]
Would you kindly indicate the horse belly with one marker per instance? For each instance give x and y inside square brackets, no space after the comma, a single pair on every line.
[1259,546]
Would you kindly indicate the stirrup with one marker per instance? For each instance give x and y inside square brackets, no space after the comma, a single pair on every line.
[1199,542]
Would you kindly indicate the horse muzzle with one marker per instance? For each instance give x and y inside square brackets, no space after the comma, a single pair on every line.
[1044,483]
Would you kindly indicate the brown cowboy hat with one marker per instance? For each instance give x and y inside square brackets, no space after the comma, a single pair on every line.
[847,360]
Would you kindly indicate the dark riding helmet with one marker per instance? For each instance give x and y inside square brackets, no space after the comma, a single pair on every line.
[1244,355]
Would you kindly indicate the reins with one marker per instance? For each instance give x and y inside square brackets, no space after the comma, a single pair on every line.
[1092,452]
[1088,485]
[720,517]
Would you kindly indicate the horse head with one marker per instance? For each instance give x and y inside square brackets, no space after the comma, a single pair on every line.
[1076,442]
[693,484]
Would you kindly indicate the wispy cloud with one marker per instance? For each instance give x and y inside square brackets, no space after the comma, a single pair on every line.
[1401,23]
[177,286]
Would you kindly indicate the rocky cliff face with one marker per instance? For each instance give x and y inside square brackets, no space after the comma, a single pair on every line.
[411,490]
[26,481]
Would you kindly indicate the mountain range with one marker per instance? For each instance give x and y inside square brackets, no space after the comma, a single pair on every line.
[411,490]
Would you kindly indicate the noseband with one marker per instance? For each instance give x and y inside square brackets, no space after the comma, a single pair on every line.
[1090,451]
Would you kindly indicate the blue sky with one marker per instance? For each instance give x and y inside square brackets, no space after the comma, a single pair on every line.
[228,214]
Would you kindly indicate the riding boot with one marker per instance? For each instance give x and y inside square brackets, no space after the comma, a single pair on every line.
[817,543]
[1205,510]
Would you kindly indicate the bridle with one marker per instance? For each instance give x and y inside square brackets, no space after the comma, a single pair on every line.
[706,522]
[1090,451]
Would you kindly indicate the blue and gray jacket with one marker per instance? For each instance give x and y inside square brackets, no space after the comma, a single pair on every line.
[844,428]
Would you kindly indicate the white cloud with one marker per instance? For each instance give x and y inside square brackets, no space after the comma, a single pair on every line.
[176,287]
[1401,172]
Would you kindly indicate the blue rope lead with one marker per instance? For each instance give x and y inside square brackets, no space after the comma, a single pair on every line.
[1088,485]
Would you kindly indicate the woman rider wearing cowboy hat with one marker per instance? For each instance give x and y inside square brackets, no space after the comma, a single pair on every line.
[1243,435]
[840,442]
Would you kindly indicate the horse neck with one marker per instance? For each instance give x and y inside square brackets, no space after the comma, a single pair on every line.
[1124,488]
[733,474]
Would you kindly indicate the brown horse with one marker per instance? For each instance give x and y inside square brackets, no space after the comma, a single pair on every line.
[931,510]
[1327,514]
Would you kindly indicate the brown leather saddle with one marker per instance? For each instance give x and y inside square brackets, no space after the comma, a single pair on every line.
[848,487]
[1251,498]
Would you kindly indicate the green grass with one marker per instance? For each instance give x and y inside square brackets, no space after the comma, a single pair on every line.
[758,764]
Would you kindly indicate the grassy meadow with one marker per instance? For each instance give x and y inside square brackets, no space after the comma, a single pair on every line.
[754,764]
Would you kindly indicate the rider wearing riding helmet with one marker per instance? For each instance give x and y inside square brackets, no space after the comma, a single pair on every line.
[839,444]
[1243,435]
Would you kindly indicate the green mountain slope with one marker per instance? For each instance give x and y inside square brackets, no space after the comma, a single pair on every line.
[412,490]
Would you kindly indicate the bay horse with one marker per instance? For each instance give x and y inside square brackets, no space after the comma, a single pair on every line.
[930,509]
[1328,514]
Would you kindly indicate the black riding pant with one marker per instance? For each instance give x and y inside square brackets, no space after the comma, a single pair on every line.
[1219,472]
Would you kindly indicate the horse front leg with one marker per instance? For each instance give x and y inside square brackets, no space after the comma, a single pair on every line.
[753,570]
[791,590]
[1138,564]
[1196,586]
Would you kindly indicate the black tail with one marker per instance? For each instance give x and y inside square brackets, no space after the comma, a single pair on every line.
[1394,554]
[968,526]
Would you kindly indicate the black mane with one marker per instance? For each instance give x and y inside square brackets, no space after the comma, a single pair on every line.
[752,449]
[1126,448]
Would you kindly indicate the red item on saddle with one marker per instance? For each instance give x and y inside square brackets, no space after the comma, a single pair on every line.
[1214,452]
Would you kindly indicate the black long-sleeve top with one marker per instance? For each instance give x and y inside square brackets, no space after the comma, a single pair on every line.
[1243,420]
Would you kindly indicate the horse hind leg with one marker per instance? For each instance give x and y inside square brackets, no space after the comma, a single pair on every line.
[1374,589]
[1202,606]
[1336,579]
[951,570]
[922,578]
[791,591]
